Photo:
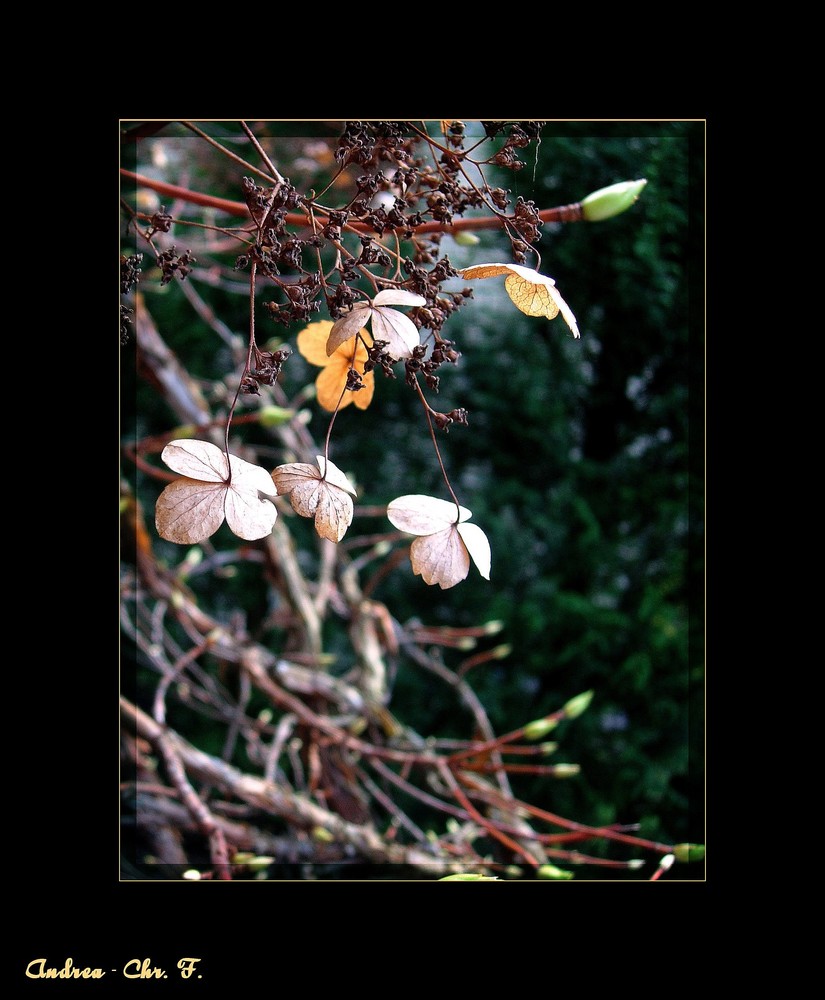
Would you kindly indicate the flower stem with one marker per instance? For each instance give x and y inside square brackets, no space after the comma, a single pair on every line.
[428,411]
[250,349]
[262,152]
[228,152]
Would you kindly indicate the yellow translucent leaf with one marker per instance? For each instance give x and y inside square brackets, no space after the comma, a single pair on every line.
[331,381]
[532,299]
[533,293]
[485,270]
[312,342]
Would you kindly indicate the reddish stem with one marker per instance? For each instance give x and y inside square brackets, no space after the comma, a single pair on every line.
[561,213]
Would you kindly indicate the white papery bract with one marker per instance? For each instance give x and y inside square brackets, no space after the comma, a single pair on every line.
[446,543]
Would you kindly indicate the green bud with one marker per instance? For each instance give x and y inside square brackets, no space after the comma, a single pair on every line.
[465,239]
[501,652]
[193,558]
[322,835]
[184,431]
[550,871]
[574,708]
[357,726]
[192,875]
[493,627]
[689,852]
[539,727]
[548,748]
[259,862]
[468,877]
[513,871]
[566,770]
[242,857]
[610,201]
[274,416]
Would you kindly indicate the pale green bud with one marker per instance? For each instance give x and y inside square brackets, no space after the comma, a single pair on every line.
[468,877]
[192,875]
[612,200]
[259,862]
[274,416]
[193,558]
[357,726]
[493,627]
[548,748]
[539,727]
[322,835]
[689,852]
[566,770]
[184,431]
[465,239]
[577,705]
[550,871]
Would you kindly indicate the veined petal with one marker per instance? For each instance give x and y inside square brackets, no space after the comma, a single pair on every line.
[397,329]
[196,459]
[348,325]
[189,510]
[423,515]
[441,558]
[531,297]
[478,546]
[311,495]
[287,477]
[249,478]
[488,270]
[248,515]
[334,475]
[333,514]
[567,314]
[398,297]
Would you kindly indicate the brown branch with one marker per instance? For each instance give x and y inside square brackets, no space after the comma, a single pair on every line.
[160,366]
[295,809]
[561,213]
[176,770]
